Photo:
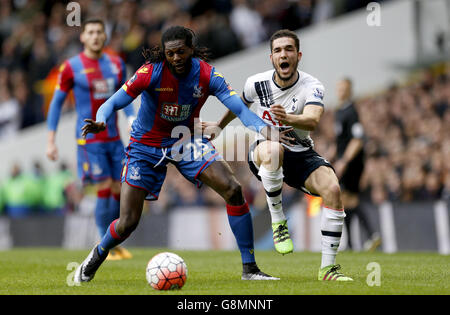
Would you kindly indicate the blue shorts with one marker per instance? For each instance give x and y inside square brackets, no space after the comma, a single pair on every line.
[100,161]
[146,166]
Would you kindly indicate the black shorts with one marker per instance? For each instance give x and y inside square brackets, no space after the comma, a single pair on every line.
[297,166]
[352,176]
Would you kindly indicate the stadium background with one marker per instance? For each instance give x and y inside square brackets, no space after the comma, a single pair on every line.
[401,76]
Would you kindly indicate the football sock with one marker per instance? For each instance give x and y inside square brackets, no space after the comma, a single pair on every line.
[331,223]
[102,213]
[348,219]
[110,240]
[114,207]
[273,183]
[240,220]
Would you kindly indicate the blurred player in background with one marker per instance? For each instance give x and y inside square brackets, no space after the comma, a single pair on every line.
[349,162]
[287,98]
[94,76]
[174,84]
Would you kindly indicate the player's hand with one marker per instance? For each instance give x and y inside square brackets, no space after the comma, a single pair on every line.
[92,126]
[274,134]
[52,151]
[280,114]
[210,129]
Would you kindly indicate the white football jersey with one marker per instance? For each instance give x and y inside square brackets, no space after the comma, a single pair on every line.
[261,91]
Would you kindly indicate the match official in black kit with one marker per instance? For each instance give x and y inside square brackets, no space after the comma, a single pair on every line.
[349,163]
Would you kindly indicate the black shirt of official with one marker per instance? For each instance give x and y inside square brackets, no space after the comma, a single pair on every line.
[345,119]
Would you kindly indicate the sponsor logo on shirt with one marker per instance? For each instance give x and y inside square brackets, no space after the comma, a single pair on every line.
[175,112]
[103,88]
[164,89]
[88,70]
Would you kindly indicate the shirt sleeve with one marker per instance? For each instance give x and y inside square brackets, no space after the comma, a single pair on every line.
[315,95]
[249,91]
[63,86]
[139,81]
[219,87]
[65,78]
[357,129]
[123,68]
[117,101]
[54,111]
[225,93]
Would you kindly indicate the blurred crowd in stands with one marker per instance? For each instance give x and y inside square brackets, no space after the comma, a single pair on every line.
[407,138]
[407,147]
[32,192]
[407,126]
[35,38]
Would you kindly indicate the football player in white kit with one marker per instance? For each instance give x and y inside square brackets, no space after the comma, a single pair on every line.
[287,98]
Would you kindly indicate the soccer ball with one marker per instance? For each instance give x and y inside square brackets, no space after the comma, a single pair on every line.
[166,271]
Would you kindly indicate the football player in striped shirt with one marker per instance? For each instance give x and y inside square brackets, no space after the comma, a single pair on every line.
[94,76]
[287,98]
[174,84]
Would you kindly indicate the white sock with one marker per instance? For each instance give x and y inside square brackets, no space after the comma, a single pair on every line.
[331,223]
[273,183]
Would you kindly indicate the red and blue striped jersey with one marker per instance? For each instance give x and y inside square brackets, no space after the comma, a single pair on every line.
[168,101]
[93,81]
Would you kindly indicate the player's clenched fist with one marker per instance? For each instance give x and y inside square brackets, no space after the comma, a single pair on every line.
[92,126]
[279,113]
[52,151]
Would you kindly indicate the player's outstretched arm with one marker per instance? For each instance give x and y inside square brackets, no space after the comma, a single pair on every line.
[92,126]
[253,121]
[119,100]
[236,105]
[228,117]
[52,123]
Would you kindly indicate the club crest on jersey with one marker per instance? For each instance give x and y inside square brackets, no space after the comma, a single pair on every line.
[294,100]
[318,93]
[134,170]
[197,91]
[175,112]
[114,68]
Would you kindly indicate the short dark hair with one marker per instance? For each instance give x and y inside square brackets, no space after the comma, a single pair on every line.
[156,54]
[92,21]
[285,33]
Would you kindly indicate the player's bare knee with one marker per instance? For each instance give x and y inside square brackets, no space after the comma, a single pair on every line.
[233,193]
[271,154]
[106,184]
[115,187]
[127,224]
[332,195]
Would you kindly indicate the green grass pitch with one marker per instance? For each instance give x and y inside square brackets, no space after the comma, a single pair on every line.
[47,272]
